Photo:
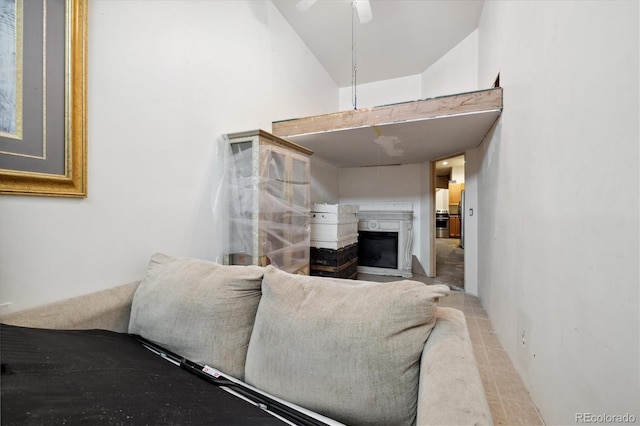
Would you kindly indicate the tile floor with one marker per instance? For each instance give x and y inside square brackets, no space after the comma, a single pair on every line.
[508,398]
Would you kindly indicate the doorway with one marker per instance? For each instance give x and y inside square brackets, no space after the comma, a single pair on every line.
[449,235]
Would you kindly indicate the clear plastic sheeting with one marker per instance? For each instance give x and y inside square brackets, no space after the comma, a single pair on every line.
[267,188]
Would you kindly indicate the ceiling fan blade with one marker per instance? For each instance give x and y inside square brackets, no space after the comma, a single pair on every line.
[305,4]
[364,10]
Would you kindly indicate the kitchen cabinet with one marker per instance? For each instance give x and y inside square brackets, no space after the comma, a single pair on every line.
[455,189]
[454,226]
[270,200]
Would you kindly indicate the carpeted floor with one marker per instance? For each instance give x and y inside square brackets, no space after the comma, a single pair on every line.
[450,263]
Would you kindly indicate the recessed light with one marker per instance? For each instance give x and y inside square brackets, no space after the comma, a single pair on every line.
[444,163]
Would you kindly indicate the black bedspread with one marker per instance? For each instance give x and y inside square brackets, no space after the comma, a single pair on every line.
[97,377]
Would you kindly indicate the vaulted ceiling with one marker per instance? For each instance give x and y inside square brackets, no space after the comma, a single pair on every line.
[404,37]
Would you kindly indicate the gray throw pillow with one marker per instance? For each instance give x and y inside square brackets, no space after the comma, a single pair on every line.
[349,350]
[199,309]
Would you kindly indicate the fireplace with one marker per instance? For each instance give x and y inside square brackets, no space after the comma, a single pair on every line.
[384,242]
[378,249]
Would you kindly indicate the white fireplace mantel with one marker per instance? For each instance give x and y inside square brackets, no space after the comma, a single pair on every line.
[400,221]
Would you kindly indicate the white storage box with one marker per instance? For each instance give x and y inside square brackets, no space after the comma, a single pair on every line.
[335,218]
[335,243]
[333,231]
[333,226]
[334,208]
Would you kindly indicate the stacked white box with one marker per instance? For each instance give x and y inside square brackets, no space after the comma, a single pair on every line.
[333,226]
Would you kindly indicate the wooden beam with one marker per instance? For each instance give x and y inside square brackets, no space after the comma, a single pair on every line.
[464,103]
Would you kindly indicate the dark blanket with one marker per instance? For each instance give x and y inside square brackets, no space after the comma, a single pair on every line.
[98,377]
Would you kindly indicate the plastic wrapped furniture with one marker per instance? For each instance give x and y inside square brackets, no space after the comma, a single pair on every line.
[269,200]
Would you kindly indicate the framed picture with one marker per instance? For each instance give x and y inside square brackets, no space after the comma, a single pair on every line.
[43,95]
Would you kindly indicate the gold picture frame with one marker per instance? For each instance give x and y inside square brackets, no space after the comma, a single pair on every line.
[71,138]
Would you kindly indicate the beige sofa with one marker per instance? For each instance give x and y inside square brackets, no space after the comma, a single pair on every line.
[355,351]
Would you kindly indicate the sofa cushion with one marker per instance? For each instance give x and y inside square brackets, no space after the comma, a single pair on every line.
[199,309]
[347,349]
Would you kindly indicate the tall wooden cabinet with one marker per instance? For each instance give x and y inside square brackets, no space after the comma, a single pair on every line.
[455,189]
[454,226]
[270,199]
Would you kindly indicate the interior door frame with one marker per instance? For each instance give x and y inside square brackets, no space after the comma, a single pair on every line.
[431,268]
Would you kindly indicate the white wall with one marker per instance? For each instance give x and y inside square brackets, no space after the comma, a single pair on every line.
[300,85]
[455,72]
[471,169]
[379,93]
[555,260]
[166,79]
[325,182]
[427,219]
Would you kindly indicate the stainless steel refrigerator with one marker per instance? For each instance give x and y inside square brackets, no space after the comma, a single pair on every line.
[462,214]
